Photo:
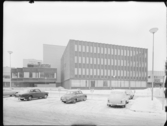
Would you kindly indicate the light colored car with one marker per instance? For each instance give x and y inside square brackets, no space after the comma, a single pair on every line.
[9,92]
[130,93]
[117,98]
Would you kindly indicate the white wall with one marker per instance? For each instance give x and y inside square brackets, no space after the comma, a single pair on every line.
[52,55]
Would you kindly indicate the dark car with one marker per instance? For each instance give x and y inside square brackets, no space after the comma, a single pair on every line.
[9,92]
[73,96]
[28,94]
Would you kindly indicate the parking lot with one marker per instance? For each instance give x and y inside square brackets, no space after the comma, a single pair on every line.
[94,110]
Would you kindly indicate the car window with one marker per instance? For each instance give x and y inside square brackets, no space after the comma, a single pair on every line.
[37,90]
[32,90]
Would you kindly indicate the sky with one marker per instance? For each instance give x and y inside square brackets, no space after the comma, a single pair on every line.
[26,27]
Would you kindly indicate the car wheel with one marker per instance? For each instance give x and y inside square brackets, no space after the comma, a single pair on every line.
[45,96]
[29,98]
[75,100]
[84,99]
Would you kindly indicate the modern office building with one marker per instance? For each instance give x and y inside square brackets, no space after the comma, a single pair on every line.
[26,62]
[95,65]
[52,55]
[33,76]
[159,78]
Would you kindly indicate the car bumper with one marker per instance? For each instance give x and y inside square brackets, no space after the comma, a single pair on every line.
[119,104]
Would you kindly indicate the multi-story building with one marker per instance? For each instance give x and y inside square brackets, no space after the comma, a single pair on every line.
[103,66]
[52,55]
[27,62]
[159,78]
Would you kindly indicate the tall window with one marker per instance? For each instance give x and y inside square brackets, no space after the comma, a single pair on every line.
[79,59]
[80,48]
[124,52]
[91,49]
[108,72]
[105,72]
[101,72]
[94,49]
[87,60]
[90,60]
[108,61]
[108,50]
[75,47]
[94,71]
[83,60]
[79,71]
[101,50]
[75,59]
[83,71]
[76,71]
[98,72]
[83,48]
[94,60]
[87,48]
[90,71]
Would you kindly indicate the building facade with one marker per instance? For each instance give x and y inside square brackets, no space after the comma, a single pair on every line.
[52,55]
[32,76]
[159,78]
[27,62]
[6,76]
[103,66]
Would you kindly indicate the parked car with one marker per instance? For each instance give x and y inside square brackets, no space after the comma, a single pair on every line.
[73,97]
[28,94]
[9,92]
[130,93]
[117,99]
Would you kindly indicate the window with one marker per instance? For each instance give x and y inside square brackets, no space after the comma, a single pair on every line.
[79,71]
[80,48]
[91,49]
[108,72]
[102,72]
[87,48]
[98,60]
[79,59]
[75,59]
[83,60]
[83,48]
[101,50]
[90,60]
[105,84]
[105,72]
[94,60]
[105,62]
[76,71]
[101,61]
[87,60]
[75,47]
[108,61]
[94,49]
[108,50]
[97,71]
[124,52]
[87,71]
[94,71]
[30,74]
[118,52]
[115,51]
[83,71]
[90,71]
[105,51]
[98,49]
[112,51]
[127,52]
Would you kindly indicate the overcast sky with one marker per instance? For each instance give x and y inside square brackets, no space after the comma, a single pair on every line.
[27,27]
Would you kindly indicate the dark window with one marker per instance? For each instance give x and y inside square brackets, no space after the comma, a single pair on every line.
[42,75]
[30,76]
[21,74]
[105,84]
[6,76]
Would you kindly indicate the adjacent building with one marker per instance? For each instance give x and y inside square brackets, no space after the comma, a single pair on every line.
[6,76]
[88,65]
[159,78]
[52,55]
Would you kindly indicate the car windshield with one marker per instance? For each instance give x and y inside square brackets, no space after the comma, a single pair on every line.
[25,91]
[70,92]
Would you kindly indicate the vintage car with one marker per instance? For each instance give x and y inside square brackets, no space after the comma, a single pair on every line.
[9,92]
[117,98]
[29,94]
[73,96]
[130,93]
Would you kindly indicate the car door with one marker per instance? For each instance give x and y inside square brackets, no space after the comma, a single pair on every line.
[39,93]
[79,95]
[33,93]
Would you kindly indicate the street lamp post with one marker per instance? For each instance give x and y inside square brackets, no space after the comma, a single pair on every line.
[10,52]
[153,30]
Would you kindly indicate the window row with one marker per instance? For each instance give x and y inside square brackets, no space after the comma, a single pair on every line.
[33,75]
[113,51]
[118,62]
[113,73]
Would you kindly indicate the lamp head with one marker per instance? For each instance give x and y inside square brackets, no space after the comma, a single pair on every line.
[153,30]
[10,52]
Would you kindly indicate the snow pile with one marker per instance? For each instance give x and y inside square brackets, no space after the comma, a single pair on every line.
[146,104]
